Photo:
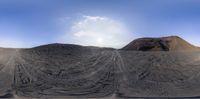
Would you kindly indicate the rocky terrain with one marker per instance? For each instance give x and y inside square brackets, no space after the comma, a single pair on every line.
[73,71]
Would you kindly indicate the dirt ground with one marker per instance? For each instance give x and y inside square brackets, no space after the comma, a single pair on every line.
[72,72]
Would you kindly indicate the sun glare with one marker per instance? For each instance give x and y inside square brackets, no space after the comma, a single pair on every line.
[99,31]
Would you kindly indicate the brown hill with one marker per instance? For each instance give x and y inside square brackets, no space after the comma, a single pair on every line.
[171,43]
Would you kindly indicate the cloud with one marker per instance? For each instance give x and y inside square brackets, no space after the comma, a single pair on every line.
[98,31]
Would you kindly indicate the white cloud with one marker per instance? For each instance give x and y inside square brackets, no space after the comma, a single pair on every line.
[98,31]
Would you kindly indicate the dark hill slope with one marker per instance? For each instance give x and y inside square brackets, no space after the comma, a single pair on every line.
[160,74]
[171,43]
[65,70]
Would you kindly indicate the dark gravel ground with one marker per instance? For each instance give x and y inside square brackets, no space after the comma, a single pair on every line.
[71,71]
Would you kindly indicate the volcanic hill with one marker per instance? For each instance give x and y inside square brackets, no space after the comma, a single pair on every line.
[171,43]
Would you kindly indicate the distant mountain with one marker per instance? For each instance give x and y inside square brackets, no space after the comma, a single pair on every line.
[171,43]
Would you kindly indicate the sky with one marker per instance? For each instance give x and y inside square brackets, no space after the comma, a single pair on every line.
[104,23]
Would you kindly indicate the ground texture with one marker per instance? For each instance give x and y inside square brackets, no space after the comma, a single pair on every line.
[71,71]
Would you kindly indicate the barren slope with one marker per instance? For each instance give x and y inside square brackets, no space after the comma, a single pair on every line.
[65,70]
[160,74]
[171,43]
[72,71]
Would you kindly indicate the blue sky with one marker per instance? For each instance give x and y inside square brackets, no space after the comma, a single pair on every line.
[110,23]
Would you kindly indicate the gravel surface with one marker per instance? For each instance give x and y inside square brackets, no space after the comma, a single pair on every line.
[70,71]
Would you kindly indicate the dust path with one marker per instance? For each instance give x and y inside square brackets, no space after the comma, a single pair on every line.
[9,65]
[104,66]
[120,65]
[7,73]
